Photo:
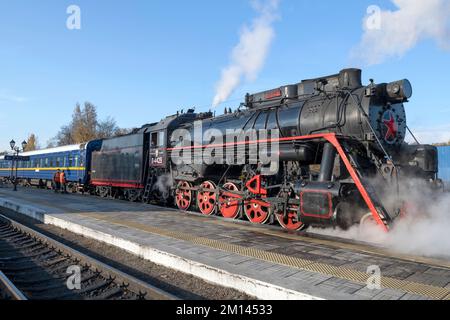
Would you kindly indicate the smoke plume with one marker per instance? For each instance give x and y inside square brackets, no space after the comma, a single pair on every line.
[163,185]
[393,33]
[423,231]
[248,56]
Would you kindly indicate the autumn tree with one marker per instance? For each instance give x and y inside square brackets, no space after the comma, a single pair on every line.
[32,143]
[84,123]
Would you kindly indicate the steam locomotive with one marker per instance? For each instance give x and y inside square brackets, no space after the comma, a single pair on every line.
[337,154]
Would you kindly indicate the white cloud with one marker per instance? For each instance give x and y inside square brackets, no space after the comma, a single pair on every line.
[6,97]
[401,30]
[249,55]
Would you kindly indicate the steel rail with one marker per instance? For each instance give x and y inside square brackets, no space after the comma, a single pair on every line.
[132,283]
[10,289]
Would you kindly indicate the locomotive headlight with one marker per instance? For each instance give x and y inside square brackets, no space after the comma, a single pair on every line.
[399,90]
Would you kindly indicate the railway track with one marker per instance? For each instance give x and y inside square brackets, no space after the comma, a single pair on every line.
[36,267]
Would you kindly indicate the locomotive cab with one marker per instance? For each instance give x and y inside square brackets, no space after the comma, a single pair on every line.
[158,157]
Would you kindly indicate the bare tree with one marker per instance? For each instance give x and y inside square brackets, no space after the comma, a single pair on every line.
[107,128]
[85,126]
[64,136]
[123,131]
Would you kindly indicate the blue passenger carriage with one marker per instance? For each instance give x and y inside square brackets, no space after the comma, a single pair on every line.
[43,164]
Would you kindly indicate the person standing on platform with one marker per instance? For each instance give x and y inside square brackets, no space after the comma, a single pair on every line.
[57,180]
[63,182]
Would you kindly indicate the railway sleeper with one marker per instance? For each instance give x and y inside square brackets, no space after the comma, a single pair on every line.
[27,245]
[16,237]
[35,256]
[110,294]
[104,283]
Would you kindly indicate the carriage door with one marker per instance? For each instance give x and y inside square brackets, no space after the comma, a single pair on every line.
[157,149]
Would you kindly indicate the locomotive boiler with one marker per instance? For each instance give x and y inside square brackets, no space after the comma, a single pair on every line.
[341,151]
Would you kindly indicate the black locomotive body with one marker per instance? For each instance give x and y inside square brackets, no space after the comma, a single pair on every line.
[337,150]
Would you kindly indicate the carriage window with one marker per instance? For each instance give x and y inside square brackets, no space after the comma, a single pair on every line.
[70,161]
[58,161]
[46,163]
[77,160]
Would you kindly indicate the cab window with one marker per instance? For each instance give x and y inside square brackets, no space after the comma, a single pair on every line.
[161,139]
[154,140]
[157,139]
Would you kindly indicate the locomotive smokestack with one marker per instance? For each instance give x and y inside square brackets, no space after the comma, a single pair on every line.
[350,79]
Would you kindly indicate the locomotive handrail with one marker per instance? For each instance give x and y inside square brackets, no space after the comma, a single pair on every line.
[358,103]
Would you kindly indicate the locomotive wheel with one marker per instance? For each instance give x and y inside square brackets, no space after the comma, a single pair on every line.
[132,195]
[257,211]
[206,198]
[103,191]
[367,222]
[228,205]
[183,197]
[290,222]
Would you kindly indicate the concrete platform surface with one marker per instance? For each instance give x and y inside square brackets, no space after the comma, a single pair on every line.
[260,261]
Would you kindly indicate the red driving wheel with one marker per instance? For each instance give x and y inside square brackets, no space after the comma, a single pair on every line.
[257,211]
[229,204]
[206,198]
[183,196]
[290,221]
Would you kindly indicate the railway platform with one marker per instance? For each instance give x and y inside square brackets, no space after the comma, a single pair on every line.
[262,261]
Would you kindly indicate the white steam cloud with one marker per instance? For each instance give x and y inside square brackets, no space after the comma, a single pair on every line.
[393,33]
[249,55]
[424,231]
[435,134]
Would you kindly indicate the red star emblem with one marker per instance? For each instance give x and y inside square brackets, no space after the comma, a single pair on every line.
[391,126]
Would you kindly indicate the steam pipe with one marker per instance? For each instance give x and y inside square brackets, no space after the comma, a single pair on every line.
[327,164]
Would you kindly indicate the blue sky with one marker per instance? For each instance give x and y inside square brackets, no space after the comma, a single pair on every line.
[139,61]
